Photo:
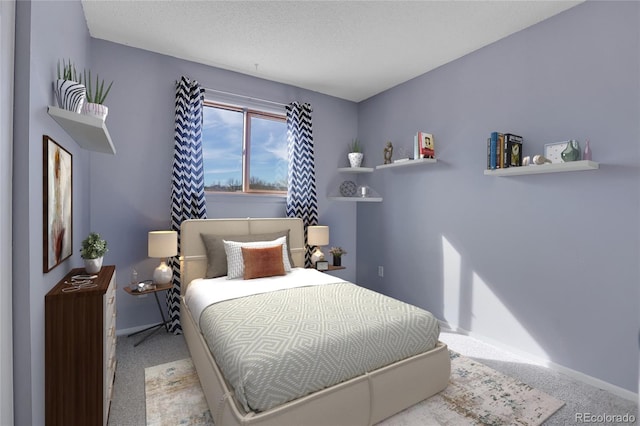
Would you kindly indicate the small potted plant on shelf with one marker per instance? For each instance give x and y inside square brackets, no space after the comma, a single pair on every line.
[95,99]
[92,251]
[355,153]
[69,91]
[337,253]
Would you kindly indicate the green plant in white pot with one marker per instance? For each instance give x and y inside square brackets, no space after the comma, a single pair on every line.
[93,251]
[95,97]
[355,153]
[69,90]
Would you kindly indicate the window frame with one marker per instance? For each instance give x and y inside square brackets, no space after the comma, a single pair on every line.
[247,114]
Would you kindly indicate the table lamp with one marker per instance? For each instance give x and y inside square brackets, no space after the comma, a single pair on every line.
[163,244]
[317,236]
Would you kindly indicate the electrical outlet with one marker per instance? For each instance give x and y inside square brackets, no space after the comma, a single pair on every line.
[380,271]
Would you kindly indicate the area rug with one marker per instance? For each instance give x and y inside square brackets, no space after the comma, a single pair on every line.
[174,396]
[476,395]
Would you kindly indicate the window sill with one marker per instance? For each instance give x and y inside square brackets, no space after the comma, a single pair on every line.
[244,196]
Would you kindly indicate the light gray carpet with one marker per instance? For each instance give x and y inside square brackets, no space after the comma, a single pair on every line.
[128,404]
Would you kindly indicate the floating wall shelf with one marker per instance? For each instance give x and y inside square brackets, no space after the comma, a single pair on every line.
[358,199]
[89,132]
[408,163]
[356,169]
[572,166]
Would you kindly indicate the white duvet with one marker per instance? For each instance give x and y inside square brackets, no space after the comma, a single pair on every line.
[203,292]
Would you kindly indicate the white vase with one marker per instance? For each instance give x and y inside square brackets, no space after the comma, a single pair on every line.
[70,95]
[93,266]
[96,110]
[355,158]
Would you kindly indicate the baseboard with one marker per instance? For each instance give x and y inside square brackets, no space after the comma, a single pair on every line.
[585,378]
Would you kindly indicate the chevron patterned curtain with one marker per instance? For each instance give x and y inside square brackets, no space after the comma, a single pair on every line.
[302,200]
[187,185]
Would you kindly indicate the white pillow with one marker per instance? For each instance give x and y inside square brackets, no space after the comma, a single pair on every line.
[235,262]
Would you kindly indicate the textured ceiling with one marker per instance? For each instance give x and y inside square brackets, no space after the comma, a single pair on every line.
[348,49]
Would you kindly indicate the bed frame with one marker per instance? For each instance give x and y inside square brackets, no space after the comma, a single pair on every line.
[363,400]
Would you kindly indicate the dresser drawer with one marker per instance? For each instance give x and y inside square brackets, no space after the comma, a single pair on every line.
[109,354]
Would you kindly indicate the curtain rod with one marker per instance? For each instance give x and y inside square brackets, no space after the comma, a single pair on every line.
[244,97]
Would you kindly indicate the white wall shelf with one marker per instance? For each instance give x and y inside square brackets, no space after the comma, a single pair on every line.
[373,195]
[355,169]
[572,166]
[358,199]
[89,132]
[408,163]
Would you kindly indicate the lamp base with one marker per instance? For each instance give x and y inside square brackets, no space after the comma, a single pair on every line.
[162,274]
[317,255]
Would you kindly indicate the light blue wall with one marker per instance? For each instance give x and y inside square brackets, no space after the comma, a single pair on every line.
[545,264]
[46,31]
[130,192]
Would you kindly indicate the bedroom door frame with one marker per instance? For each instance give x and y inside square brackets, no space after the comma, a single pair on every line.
[7,47]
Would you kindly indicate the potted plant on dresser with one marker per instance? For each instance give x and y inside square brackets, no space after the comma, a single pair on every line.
[93,251]
[69,90]
[95,97]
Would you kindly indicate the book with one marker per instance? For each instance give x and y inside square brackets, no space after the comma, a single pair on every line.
[493,151]
[513,150]
[500,153]
[426,145]
[489,153]
[505,151]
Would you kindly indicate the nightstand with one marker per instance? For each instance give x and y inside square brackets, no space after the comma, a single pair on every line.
[165,322]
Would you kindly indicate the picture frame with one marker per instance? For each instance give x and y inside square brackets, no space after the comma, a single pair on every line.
[426,145]
[322,265]
[553,151]
[57,190]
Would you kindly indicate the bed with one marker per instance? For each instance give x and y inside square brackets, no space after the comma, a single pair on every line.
[365,399]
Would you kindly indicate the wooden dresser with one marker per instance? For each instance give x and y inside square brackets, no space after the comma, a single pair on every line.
[80,350]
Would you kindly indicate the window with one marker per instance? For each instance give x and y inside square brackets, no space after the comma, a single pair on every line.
[244,150]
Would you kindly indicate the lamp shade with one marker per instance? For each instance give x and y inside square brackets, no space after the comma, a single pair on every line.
[318,235]
[163,243]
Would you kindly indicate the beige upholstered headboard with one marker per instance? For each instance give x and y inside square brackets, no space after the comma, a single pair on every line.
[193,256]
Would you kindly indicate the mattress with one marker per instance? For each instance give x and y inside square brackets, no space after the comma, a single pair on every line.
[284,338]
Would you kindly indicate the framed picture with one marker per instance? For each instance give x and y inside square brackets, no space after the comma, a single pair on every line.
[57,204]
[322,265]
[426,145]
[553,151]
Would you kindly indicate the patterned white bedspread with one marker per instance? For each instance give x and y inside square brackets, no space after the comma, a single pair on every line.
[280,345]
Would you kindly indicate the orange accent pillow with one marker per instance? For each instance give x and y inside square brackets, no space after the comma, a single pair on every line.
[262,262]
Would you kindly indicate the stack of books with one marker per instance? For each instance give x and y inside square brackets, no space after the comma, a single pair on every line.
[504,150]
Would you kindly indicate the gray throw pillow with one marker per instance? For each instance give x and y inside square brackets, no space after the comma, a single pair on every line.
[217,258]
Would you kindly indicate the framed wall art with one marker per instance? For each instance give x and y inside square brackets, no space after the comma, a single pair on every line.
[57,204]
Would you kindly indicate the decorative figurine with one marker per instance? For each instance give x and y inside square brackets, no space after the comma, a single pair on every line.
[540,159]
[571,152]
[388,153]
